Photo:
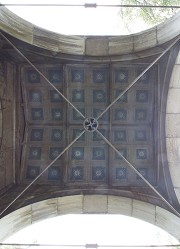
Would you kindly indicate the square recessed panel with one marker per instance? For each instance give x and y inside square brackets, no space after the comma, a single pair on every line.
[123,152]
[77,95]
[37,113]
[55,76]
[77,173]
[77,116]
[55,96]
[76,133]
[98,153]
[54,173]
[123,98]
[35,96]
[35,153]
[77,75]
[77,153]
[97,113]
[140,114]
[141,153]
[54,152]
[33,76]
[100,75]
[121,76]
[121,173]
[140,135]
[56,135]
[57,114]
[98,173]
[120,114]
[97,137]
[37,134]
[120,135]
[142,96]
[99,96]
[32,172]
[143,172]
[144,78]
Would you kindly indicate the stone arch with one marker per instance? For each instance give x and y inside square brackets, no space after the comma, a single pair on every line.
[89,46]
[173,127]
[89,204]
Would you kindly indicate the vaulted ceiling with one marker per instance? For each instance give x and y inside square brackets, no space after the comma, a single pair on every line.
[45,103]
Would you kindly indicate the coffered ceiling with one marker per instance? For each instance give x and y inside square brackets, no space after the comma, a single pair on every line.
[54,152]
[52,123]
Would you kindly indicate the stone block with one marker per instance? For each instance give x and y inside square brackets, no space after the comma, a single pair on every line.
[70,204]
[168,222]
[119,205]
[173,150]
[96,46]
[172,125]
[175,174]
[95,204]
[121,45]
[175,78]
[143,211]
[173,101]
[44,209]
[145,40]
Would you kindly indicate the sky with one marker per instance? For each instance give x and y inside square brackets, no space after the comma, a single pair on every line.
[93,229]
[76,20]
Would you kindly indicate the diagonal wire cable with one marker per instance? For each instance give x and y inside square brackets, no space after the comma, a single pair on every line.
[139,174]
[37,70]
[49,165]
[134,81]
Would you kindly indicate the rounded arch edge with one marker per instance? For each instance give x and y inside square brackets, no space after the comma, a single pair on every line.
[88,45]
[172,127]
[89,204]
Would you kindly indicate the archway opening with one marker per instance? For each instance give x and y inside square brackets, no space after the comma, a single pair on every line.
[93,230]
[100,17]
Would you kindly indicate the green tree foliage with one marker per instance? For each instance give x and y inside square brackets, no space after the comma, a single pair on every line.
[151,16]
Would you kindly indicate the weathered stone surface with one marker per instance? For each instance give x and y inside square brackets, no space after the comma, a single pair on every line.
[173,100]
[14,222]
[97,46]
[175,78]
[95,204]
[143,211]
[168,221]
[168,29]
[16,26]
[44,209]
[145,40]
[175,174]
[70,205]
[121,45]
[173,150]
[173,125]
[119,205]
[58,43]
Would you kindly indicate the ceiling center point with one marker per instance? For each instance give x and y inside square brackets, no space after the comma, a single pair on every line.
[90,124]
